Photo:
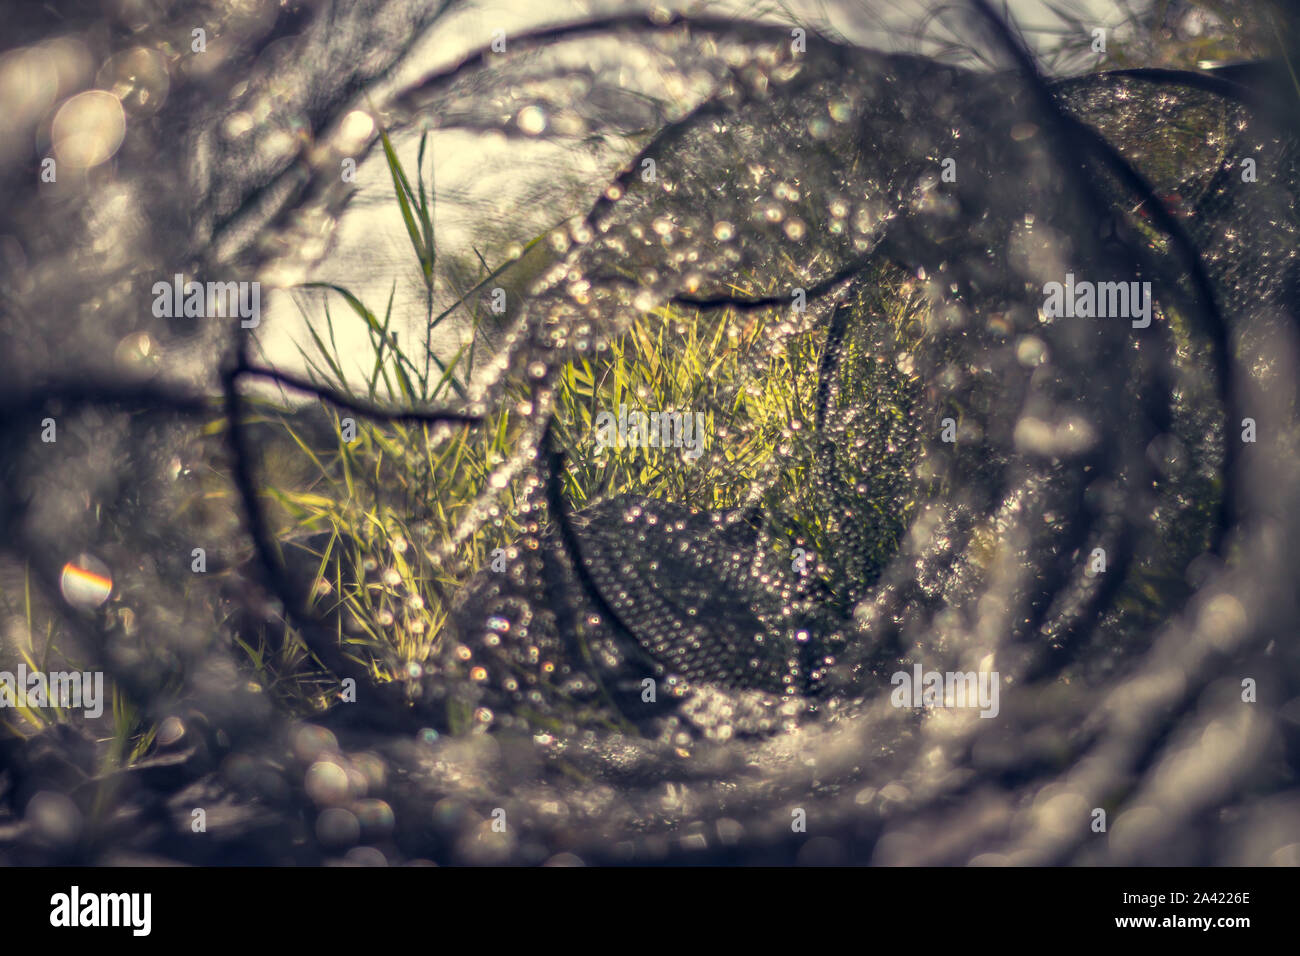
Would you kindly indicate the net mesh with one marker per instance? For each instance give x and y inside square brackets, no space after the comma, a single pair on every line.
[638,636]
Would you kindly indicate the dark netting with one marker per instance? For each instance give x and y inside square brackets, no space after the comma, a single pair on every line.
[885,454]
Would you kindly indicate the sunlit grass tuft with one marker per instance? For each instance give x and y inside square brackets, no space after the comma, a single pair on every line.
[392,502]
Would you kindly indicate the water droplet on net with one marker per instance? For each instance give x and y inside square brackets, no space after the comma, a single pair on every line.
[86,582]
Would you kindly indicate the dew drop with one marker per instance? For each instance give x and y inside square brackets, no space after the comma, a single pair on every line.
[531,120]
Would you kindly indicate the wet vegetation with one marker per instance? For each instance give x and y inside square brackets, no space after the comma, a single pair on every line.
[354,611]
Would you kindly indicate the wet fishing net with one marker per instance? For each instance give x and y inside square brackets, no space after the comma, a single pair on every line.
[851,367]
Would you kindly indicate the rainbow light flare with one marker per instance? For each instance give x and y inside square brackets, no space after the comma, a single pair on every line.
[86,582]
